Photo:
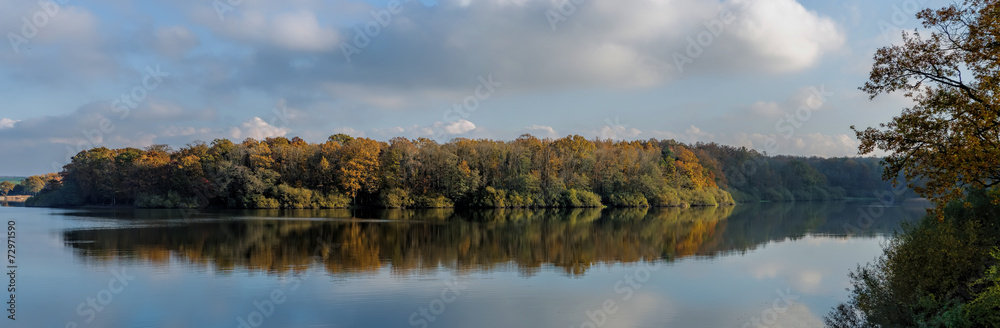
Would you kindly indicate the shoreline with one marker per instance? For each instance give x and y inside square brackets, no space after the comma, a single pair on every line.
[682,206]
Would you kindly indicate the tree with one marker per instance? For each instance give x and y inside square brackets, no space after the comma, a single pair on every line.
[33,184]
[6,187]
[949,138]
[359,166]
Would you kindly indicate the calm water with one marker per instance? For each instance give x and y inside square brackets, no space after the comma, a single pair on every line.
[717,267]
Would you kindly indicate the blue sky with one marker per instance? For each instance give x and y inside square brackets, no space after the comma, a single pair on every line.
[776,75]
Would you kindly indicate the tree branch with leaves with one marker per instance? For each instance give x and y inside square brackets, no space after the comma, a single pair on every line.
[949,138]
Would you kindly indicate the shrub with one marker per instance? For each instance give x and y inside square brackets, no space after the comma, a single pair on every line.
[786,195]
[698,197]
[722,197]
[665,197]
[629,200]
[331,200]
[437,201]
[567,198]
[67,194]
[290,197]
[837,193]
[932,274]
[516,199]
[801,195]
[588,199]
[491,198]
[258,201]
[773,195]
[984,310]
[395,198]
[171,200]
[743,197]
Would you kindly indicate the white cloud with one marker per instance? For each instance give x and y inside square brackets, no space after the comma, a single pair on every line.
[256,128]
[297,30]
[542,131]
[350,131]
[809,281]
[767,270]
[618,132]
[302,31]
[179,131]
[783,34]
[627,43]
[7,123]
[696,133]
[691,135]
[809,144]
[455,127]
[436,130]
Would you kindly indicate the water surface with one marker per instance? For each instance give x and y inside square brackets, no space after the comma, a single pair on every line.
[784,265]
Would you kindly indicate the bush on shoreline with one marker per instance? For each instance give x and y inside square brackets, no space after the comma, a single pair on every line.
[935,273]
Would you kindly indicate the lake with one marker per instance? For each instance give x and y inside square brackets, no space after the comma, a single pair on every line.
[774,265]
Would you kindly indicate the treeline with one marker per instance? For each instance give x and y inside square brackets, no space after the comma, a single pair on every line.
[752,177]
[526,172]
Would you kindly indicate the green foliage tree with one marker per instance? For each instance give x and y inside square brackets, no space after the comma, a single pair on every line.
[33,184]
[6,187]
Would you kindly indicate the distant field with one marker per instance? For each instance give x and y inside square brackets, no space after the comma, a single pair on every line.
[14,180]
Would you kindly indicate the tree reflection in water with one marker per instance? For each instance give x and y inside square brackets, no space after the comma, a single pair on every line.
[345,241]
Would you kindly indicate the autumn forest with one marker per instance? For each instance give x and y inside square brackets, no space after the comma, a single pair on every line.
[527,172]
